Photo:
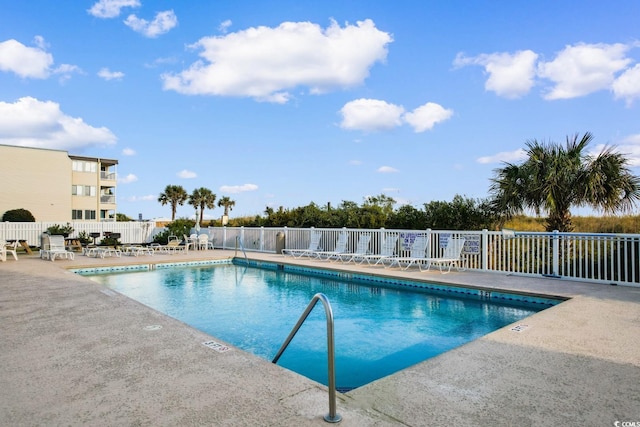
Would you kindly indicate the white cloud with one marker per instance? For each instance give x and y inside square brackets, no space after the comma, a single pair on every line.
[32,123]
[426,116]
[510,75]
[111,8]
[162,23]
[147,198]
[630,147]
[107,74]
[232,189]
[370,115]
[266,63]
[128,152]
[504,156]
[627,86]
[386,169]
[224,26]
[583,69]
[355,162]
[26,62]
[128,179]
[186,174]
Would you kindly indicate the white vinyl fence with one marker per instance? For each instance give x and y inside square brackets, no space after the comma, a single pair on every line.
[597,257]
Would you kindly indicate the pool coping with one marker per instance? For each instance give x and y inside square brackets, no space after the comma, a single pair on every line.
[557,370]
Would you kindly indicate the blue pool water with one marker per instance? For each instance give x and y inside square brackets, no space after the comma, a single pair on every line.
[378,330]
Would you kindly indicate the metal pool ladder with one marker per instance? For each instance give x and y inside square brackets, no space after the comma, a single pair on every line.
[239,241]
[332,416]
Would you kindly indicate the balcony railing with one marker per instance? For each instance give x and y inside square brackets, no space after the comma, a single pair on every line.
[107,199]
[110,176]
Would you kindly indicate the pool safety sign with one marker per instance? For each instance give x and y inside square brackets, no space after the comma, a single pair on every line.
[471,243]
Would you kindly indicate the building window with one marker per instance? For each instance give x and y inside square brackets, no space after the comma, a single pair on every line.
[83,190]
[89,214]
[76,214]
[82,166]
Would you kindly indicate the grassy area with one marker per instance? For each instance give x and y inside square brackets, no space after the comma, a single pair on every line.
[583,224]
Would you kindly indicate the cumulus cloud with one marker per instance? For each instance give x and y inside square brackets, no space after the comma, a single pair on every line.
[427,116]
[583,69]
[630,147]
[266,63]
[128,179]
[370,115]
[30,122]
[111,8]
[510,75]
[377,115]
[26,62]
[107,74]
[577,70]
[32,62]
[162,23]
[627,86]
[386,169]
[186,174]
[504,156]
[128,152]
[232,189]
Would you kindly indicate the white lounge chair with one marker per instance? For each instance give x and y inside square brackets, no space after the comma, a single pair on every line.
[362,249]
[314,246]
[8,248]
[387,251]
[53,247]
[451,256]
[340,248]
[416,253]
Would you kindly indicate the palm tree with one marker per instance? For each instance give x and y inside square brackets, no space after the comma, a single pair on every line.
[174,195]
[554,178]
[201,198]
[227,203]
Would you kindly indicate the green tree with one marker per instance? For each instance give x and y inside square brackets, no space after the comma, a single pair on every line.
[120,217]
[201,198]
[227,203]
[174,195]
[554,178]
[18,215]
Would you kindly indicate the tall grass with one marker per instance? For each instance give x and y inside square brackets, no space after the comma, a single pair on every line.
[583,224]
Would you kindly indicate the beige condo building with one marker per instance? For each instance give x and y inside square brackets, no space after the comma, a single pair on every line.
[56,186]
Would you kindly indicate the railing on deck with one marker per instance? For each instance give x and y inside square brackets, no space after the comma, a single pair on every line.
[597,257]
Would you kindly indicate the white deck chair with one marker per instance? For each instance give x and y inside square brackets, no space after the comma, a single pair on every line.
[362,249]
[203,241]
[387,251]
[340,248]
[314,246]
[451,256]
[57,249]
[416,254]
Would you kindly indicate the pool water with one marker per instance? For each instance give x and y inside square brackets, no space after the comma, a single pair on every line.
[378,330]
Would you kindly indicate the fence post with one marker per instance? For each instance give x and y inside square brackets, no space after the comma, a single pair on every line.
[556,252]
[224,237]
[261,239]
[484,249]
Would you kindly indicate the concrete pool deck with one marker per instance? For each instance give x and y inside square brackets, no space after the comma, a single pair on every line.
[75,353]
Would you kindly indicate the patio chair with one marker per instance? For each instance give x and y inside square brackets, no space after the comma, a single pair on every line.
[55,248]
[416,254]
[362,249]
[314,246]
[8,248]
[340,248]
[387,251]
[451,256]
[203,241]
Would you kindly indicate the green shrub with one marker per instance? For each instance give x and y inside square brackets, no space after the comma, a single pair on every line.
[18,215]
[64,230]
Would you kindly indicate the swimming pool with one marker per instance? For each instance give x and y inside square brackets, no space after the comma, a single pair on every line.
[380,327]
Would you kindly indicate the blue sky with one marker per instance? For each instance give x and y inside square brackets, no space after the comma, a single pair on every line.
[283,103]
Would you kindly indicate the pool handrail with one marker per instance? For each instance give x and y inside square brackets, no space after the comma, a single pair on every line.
[332,416]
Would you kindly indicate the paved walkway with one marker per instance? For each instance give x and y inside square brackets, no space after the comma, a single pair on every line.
[74,353]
